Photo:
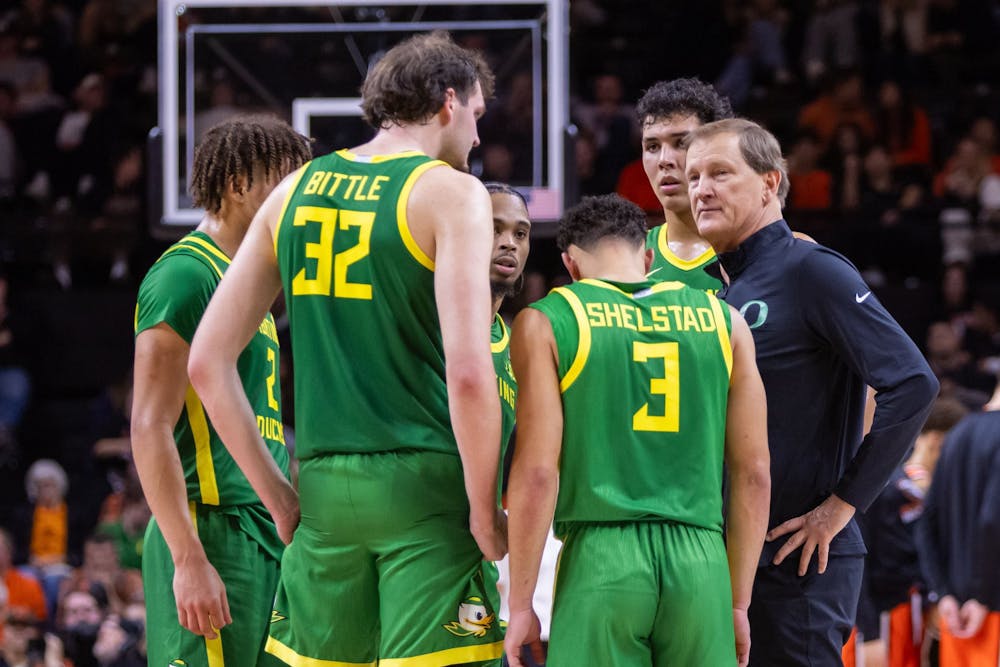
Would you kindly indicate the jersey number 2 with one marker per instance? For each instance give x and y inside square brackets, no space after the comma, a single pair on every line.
[668,386]
[332,268]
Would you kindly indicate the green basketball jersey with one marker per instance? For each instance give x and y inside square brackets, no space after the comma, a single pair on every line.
[644,373]
[176,291]
[667,266]
[366,340]
[506,382]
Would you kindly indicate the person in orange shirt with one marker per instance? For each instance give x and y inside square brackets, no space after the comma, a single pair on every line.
[23,590]
[843,103]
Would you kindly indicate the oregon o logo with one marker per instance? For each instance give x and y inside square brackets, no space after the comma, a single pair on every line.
[761,311]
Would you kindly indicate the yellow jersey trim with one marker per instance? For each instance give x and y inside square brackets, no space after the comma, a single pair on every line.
[500,345]
[375,159]
[583,343]
[194,249]
[292,188]
[668,254]
[459,655]
[290,657]
[213,650]
[723,331]
[204,465]
[403,222]
[207,246]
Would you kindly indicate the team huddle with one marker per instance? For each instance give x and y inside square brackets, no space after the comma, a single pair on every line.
[688,410]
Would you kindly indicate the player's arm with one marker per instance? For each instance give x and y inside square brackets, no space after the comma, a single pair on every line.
[461,216]
[160,385]
[534,475]
[748,463]
[239,305]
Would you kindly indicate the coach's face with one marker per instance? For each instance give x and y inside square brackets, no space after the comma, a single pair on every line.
[727,197]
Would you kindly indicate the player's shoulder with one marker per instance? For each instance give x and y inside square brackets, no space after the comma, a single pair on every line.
[444,182]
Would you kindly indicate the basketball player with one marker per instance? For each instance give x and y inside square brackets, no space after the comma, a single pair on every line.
[633,394]
[211,553]
[382,252]
[668,111]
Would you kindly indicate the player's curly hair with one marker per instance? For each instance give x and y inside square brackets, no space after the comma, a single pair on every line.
[408,84]
[596,218]
[244,147]
[683,96]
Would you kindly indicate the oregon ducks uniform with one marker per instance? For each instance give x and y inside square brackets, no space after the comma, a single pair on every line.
[644,374]
[667,266]
[506,382]
[236,531]
[383,567]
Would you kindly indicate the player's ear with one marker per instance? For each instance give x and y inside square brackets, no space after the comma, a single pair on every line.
[648,258]
[571,266]
[448,106]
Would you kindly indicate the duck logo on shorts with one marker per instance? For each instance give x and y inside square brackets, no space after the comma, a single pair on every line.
[277,616]
[473,619]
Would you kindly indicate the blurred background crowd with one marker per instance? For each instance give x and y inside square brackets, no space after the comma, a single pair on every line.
[887,110]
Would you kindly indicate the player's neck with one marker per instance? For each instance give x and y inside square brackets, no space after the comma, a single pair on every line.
[497,302]
[616,262]
[401,138]
[683,238]
[227,236]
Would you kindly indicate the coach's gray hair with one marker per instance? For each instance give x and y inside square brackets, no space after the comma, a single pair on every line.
[760,149]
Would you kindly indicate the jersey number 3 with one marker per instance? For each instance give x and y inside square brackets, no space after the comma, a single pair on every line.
[330,268]
[668,386]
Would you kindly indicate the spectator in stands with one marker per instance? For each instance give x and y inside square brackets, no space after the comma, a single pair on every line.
[101,567]
[842,103]
[81,613]
[46,485]
[984,132]
[893,568]
[831,40]
[121,640]
[22,589]
[958,538]
[24,645]
[613,126]
[759,55]
[15,383]
[844,159]
[811,185]
[959,181]
[903,126]
[954,367]
[510,123]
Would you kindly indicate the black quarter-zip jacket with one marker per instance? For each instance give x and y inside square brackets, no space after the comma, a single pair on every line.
[821,336]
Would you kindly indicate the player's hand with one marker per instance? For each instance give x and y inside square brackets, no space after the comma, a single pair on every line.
[741,625]
[524,629]
[202,606]
[490,534]
[813,531]
[964,621]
